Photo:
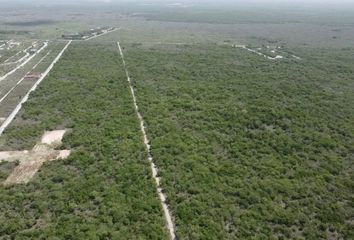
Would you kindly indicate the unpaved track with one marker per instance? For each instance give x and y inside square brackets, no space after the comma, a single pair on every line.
[18,61]
[101,34]
[19,82]
[24,63]
[262,54]
[154,169]
[7,60]
[6,123]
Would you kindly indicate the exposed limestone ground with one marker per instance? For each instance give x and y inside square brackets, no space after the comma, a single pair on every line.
[31,161]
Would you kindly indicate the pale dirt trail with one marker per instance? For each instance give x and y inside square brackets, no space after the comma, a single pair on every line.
[261,54]
[154,169]
[12,116]
[101,34]
[24,63]
[264,55]
[16,54]
[19,82]
[296,57]
[18,61]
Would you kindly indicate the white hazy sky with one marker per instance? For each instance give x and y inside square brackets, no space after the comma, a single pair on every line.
[196,1]
[318,3]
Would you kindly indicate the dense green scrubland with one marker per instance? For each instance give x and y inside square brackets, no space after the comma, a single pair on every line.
[247,148]
[250,148]
[104,190]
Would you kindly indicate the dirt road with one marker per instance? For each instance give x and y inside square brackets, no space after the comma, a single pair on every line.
[24,63]
[8,120]
[154,169]
[101,34]
[19,82]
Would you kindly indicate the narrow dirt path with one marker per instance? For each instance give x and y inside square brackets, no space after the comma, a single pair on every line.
[19,60]
[12,116]
[24,63]
[93,37]
[154,169]
[7,60]
[19,82]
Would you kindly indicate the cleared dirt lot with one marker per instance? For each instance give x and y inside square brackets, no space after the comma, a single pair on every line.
[30,161]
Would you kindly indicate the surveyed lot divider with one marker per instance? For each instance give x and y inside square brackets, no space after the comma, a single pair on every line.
[154,169]
[104,189]
[24,63]
[10,118]
[21,80]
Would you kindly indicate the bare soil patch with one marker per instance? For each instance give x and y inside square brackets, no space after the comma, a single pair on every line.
[31,161]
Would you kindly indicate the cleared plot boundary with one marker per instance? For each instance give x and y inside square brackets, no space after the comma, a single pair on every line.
[93,37]
[19,82]
[24,63]
[9,58]
[264,55]
[12,116]
[154,169]
[6,62]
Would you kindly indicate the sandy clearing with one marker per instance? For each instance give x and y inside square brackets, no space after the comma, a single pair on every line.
[168,216]
[63,154]
[12,156]
[53,137]
[24,63]
[24,172]
[31,161]
[19,82]
[10,118]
